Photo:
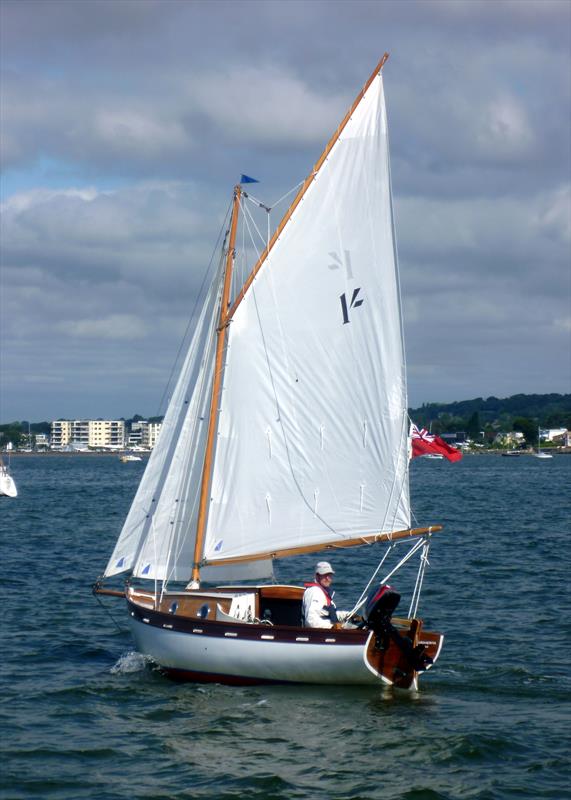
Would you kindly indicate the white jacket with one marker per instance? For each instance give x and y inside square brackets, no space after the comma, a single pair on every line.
[315,609]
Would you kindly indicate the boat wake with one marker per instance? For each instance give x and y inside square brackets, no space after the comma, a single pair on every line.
[129,662]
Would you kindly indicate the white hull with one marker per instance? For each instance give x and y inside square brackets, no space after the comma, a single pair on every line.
[264,661]
[542,455]
[7,485]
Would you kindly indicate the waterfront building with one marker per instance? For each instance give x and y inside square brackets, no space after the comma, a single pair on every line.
[135,436]
[150,434]
[61,433]
[81,434]
[42,441]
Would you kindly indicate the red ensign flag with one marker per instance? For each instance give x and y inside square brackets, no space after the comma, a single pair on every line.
[424,443]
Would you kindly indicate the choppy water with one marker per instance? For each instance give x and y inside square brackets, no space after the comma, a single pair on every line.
[84,717]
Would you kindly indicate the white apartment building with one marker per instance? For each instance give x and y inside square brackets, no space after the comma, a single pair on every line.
[135,437]
[84,433]
[107,433]
[150,433]
[60,433]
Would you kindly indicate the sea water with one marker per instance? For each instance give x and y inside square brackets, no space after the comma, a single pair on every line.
[84,716]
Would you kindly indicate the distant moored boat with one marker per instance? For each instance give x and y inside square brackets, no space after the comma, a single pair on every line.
[7,483]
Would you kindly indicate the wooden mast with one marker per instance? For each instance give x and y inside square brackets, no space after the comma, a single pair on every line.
[216,388]
[305,186]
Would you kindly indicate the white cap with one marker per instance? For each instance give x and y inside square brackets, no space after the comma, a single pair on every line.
[324,568]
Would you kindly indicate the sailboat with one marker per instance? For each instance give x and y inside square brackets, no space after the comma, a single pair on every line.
[287,434]
[540,453]
[7,483]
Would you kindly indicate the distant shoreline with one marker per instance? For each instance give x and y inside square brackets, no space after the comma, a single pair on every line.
[145,455]
[52,453]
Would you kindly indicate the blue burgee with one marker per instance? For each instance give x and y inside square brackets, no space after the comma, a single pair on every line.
[247,179]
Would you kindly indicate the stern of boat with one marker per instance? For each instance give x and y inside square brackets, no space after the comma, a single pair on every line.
[401,654]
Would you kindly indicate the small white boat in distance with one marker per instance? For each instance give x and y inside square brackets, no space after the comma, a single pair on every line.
[7,484]
[128,457]
[540,453]
[433,455]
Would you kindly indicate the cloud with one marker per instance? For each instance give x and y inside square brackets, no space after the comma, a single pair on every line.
[505,131]
[114,326]
[121,142]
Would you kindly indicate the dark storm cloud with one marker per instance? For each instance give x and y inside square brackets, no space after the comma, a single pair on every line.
[125,125]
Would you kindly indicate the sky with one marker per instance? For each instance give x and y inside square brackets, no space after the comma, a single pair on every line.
[125,124]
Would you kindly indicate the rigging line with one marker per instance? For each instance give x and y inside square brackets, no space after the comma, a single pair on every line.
[104,607]
[404,432]
[176,425]
[179,538]
[268,210]
[247,213]
[418,544]
[359,602]
[409,453]
[399,479]
[155,559]
[396,262]
[419,580]
[282,198]
[198,296]
[239,276]
[175,419]
[256,202]
[252,240]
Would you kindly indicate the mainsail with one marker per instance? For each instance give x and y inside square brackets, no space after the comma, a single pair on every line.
[311,443]
[311,430]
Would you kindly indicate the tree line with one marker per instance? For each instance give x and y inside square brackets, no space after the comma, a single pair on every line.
[520,412]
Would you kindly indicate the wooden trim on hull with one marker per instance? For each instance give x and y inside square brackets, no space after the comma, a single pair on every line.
[246,630]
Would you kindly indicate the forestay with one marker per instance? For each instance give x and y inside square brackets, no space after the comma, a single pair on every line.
[312,434]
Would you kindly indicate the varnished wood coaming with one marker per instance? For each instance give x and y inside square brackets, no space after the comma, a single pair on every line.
[244,630]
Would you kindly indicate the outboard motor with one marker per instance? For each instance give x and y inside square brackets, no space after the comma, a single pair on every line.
[379,608]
